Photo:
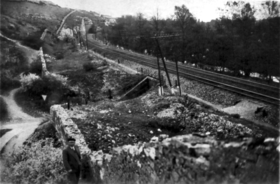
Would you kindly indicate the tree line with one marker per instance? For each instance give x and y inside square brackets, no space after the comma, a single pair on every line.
[235,42]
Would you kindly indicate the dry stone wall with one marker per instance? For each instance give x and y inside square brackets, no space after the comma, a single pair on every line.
[67,128]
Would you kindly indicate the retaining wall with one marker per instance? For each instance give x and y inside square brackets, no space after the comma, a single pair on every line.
[67,128]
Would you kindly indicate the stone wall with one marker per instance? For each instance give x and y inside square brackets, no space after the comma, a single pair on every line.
[67,128]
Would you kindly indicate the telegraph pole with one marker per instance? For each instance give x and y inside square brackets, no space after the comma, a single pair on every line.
[86,38]
[161,55]
[178,78]
[159,74]
[164,65]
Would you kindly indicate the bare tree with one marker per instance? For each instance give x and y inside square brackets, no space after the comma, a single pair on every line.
[271,8]
[183,17]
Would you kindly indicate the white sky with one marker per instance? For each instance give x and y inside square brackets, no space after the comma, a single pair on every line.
[205,10]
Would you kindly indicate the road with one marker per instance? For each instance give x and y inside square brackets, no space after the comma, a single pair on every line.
[22,125]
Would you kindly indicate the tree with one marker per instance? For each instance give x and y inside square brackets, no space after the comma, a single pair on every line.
[92,29]
[140,26]
[243,22]
[271,9]
[183,20]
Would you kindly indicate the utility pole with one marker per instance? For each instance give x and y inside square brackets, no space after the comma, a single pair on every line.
[178,78]
[86,38]
[164,65]
[159,73]
[160,52]
[177,71]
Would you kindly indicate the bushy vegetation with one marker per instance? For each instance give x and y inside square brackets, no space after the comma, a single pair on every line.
[3,109]
[7,83]
[12,63]
[89,66]
[235,42]
[34,40]
[12,57]
[28,80]
[36,67]
[37,163]
[43,85]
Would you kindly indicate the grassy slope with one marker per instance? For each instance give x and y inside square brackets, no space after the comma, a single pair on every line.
[30,17]
[12,63]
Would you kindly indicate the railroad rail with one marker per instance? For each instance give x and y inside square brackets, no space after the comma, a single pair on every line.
[251,89]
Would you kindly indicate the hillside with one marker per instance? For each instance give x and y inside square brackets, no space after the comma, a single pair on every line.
[21,19]
[125,130]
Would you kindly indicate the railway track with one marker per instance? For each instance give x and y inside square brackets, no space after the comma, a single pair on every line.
[251,89]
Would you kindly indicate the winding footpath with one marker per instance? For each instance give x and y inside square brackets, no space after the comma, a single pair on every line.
[22,125]
[63,21]
[29,52]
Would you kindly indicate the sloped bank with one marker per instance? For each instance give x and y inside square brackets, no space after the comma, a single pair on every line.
[219,97]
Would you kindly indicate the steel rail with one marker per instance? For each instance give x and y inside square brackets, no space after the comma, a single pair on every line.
[214,74]
[259,87]
[233,79]
[238,90]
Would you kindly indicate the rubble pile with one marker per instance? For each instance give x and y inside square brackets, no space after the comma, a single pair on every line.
[190,159]
[215,125]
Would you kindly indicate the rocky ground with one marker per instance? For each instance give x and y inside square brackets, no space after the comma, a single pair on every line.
[109,124]
[194,159]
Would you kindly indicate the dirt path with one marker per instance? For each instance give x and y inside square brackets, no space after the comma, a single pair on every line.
[29,52]
[22,125]
[246,109]
[63,21]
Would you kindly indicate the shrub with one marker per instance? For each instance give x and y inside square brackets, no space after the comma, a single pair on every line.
[33,41]
[52,77]
[6,83]
[51,82]
[38,163]
[3,109]
[36,66]
[28,80]
[38,87]
[89,67]
[237,116]
[59,55]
